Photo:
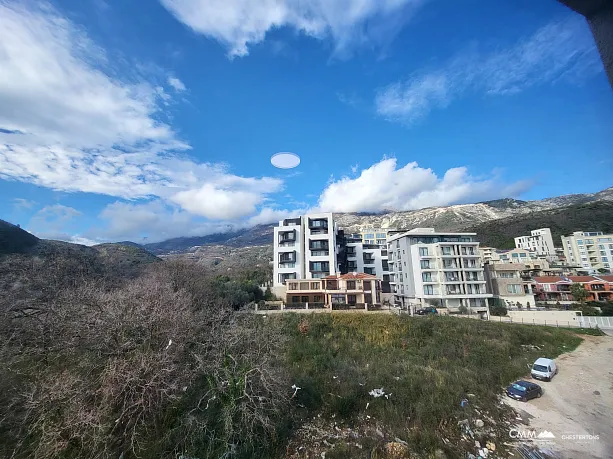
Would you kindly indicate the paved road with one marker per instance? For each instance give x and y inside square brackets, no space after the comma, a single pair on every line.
[579,401]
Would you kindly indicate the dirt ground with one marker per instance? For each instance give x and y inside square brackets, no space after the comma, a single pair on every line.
[578,401]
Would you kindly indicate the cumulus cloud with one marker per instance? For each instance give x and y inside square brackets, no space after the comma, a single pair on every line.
[561,50]
[385,186]
[69,122]
[52,222]
[239,24]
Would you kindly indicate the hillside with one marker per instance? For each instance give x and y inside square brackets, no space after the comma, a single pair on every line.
[32,270]
[15,240]
[595,216]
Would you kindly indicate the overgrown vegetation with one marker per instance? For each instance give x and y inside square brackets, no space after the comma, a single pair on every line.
[426,365]
[113,359]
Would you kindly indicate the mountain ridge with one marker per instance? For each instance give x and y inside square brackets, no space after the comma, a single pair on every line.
[446,218]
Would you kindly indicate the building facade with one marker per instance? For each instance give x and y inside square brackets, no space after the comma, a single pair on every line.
[437,268]
[351,289]
[305,247]
[553,290]
[540,242]
[509,283]
[592,251]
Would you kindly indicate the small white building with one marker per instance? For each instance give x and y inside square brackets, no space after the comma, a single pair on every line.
[437,267]
[540,241]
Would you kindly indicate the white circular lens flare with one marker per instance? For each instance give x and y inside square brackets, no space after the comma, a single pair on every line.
[285,160]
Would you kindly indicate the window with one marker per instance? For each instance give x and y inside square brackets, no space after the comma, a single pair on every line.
[320,253]
[605,259]
[320,266]
[295,299]
[426,277]
[369,236]
[317,299]
[515,255]
[305,299]
[423,251]
[425,264]
[514,289]
[350,285]
[522,255]
[351,299]
[579,242]
[369,270]
[589,241]
[384,265]
[428,290]
[381,236]
[506,275]
[446,250]
[315,285]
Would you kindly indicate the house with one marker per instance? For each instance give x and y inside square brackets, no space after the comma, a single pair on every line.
[552,289]
[354,289]
[509,283]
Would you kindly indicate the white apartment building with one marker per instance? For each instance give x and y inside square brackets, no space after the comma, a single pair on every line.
[539,241]
[305,248]
[590,250]
[430,265]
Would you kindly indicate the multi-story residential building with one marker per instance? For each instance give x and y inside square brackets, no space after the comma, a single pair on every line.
[593,251]
[374,236]
[489,254]
[347,289]
[540,241]
[552,289]
[509,283]
[305,248]
[446,267]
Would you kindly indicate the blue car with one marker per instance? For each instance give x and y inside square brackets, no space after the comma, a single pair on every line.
[524,390]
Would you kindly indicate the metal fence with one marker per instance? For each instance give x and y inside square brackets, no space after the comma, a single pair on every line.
[595,321]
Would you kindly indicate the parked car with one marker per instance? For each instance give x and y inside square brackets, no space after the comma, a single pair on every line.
[544,369]
[524,390]
[426,311]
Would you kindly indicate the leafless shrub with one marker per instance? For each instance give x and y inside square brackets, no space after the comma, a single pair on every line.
[157,367]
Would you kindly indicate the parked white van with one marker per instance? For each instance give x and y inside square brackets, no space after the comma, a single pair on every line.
[544,369]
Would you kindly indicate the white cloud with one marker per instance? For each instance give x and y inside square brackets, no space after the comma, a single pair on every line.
[561,50]
[176,84]
[383,186]
[154,221]
[69,122]
[21,203]
[52,221]
[239,24]
[269,215]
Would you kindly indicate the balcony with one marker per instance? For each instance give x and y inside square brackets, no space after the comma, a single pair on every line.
[351,252]
[318,224]
[369,260]
[352,266]
[289,257]
[318,245]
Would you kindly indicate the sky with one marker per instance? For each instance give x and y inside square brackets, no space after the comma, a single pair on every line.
[145,120]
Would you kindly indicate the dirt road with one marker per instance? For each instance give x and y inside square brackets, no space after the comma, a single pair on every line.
[578,401]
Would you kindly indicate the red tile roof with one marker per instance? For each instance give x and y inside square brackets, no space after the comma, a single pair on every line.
[606,278]
[558,279]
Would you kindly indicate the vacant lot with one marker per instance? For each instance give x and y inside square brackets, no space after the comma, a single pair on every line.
[579,401]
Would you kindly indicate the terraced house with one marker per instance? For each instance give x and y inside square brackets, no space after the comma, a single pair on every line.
[553,290]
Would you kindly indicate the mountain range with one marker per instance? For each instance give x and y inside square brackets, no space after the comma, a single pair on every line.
[496,222]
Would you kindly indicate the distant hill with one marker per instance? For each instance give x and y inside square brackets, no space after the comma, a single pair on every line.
[32,270]
[594,216]
[15,240]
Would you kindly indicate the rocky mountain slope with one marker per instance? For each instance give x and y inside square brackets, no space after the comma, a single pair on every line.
[449,218]
[593,216]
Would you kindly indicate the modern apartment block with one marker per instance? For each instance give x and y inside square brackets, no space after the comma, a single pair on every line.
[509,283]
[427,265]
[540,241]
[305,248]
[592,251]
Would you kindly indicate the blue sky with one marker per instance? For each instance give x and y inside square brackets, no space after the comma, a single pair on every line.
[126,119]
